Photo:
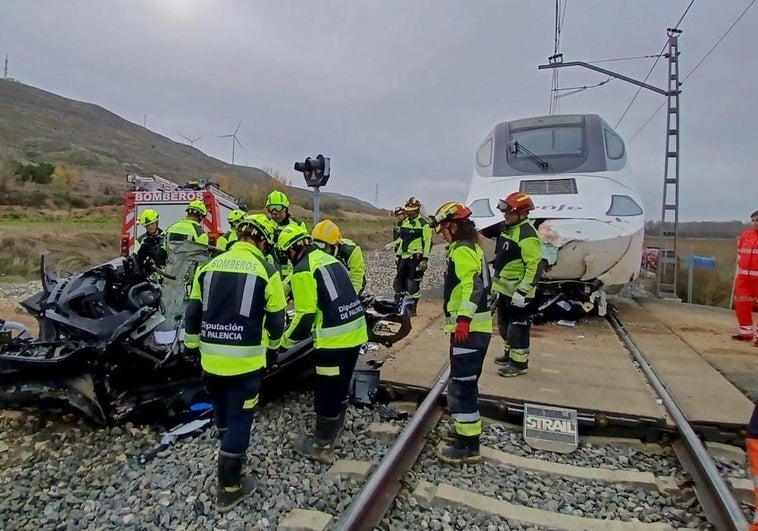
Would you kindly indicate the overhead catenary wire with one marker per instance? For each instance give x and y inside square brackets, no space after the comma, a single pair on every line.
[657,110]
[658,58]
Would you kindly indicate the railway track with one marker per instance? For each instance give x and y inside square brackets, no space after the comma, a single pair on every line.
[534,491]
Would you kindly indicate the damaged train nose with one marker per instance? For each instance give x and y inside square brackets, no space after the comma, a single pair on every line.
[589,250]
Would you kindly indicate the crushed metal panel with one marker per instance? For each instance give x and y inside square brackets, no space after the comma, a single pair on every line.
[554,429]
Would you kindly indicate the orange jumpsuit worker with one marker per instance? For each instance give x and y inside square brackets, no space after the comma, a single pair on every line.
[746,283]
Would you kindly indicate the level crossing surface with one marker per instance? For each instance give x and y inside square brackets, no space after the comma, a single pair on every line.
[587,368]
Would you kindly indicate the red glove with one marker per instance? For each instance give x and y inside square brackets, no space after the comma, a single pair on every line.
[462,330]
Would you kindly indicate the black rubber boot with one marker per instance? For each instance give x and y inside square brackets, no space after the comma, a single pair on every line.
[233,487]
[319,446]
[337,441]
[513,368]
[463,450]
[504,359]
[412,307]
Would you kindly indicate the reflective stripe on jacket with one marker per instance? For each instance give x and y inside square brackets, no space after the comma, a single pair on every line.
[326,305]
[235,298]
[350,254]
[518,253]
[747,253]
[415,237]
[186,229]
[467,287]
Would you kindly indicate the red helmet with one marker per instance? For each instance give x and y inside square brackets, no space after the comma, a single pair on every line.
[516,202]
[412,205]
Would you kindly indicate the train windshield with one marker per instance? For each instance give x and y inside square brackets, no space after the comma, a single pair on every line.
[548,142]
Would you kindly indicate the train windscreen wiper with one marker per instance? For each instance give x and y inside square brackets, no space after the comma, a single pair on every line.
[517,148]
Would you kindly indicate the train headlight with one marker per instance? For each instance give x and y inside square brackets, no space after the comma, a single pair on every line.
[623,205]
[481,209]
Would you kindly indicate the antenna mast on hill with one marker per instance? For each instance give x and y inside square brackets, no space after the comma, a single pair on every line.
[5,71]
[376,196]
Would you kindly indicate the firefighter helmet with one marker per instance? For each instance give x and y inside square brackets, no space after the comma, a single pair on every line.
[256,225]
[197,206]
[516,202]
[450,212]
[235,216]
[291,235]
[412,205]
[327,231]
[399,211]
[277,198]
[148,217]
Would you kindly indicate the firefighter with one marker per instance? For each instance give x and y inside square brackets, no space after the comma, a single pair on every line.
[149,246]
[746,282]
[413,253]
[236,313]
[190,228]
[469,323]
[327,309]
[399,216]
[277,206]
[226,241]
[517,265]
[328,237]
[751,445]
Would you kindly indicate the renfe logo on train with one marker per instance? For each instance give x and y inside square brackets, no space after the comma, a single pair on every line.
[551,428]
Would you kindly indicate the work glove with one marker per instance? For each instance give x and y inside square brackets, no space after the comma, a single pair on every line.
[389,246]
[422,265]
[462,329]
[193,352]
[519,300]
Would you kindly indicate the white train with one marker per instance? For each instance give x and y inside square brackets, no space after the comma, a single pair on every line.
[588,211]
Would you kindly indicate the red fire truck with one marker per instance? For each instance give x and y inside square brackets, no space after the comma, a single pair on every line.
[170,199]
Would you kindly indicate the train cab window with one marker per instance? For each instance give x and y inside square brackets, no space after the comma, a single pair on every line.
[614,146]
[481,208]
[623,205]
[551,141]
[484,154]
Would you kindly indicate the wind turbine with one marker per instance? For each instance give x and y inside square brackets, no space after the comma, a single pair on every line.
[234,140]
[191,140]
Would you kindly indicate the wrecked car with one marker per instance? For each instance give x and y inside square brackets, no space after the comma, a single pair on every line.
[110,341]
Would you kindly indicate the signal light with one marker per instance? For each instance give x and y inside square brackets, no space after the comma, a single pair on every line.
[315,171]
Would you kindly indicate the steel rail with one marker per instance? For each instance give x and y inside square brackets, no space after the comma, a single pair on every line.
[367,509]
[717,500]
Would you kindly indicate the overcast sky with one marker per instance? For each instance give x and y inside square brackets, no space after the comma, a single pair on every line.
[400,93]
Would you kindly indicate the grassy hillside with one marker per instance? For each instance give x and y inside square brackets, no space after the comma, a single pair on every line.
[98,148]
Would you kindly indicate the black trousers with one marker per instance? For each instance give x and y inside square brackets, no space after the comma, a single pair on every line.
[408,279]
[235,399]
[334,368]
[466,360]
[514,325]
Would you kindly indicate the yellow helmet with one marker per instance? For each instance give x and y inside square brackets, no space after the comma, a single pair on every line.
[327,231]
[450,212]
[257,224]
[277,198]
[148,216]
[197,206]
[291,235]
[235,216]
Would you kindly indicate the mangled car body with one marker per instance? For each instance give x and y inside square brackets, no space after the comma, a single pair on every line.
[110,341]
